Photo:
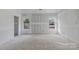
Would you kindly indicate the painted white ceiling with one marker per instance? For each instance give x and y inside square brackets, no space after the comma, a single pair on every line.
[24,11]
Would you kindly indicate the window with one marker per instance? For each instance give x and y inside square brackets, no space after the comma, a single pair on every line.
[26,24]
[51,23]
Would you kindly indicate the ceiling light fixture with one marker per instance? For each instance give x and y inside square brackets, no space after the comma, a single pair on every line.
[40,9]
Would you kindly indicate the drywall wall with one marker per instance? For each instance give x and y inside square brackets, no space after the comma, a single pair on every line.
[69,24]
[39,20]
[34,21]
[6,27]
[40,23]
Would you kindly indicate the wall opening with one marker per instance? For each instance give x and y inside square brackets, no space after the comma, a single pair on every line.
[16,25]
[52,25]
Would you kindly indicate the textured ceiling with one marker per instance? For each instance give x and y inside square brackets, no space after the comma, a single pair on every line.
[39,11]
[25,11]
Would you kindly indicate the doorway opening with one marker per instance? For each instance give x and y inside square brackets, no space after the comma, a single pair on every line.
[16,25]
[52,25]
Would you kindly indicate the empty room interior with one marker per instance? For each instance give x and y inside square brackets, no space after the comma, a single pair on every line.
[39,29]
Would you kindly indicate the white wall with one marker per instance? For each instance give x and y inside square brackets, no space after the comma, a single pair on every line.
[69,24]
[6,25]
[40,23]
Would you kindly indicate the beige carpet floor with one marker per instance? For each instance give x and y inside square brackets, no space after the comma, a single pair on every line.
[39,42]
